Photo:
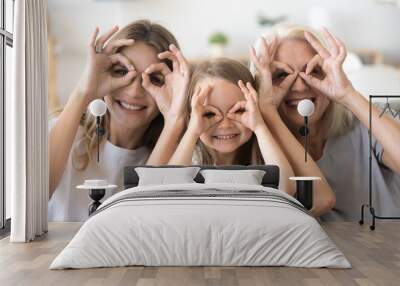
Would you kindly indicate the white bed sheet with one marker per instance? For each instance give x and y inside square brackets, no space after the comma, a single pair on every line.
[200,231]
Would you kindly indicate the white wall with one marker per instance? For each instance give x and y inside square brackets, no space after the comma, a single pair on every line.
[70,65]
[360,23]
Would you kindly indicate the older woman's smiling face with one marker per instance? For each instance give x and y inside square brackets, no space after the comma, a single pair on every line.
[297,53]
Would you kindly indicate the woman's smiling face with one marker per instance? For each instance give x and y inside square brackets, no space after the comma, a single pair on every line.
[132,106]
[227,135]
[297,53]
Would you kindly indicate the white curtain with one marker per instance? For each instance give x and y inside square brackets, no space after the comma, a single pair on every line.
[26,123]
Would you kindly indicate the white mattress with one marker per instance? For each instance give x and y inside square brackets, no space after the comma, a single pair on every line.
[185,230]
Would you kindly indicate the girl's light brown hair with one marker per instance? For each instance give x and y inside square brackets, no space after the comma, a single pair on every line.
[153,35]
[232,71]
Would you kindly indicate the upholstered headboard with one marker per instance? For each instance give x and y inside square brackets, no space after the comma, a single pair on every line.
[270,179]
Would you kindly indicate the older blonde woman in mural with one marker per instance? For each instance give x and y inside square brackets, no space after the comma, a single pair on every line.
[142,77]
[298,65]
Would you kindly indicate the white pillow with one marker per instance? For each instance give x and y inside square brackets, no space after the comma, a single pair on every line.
[163,176]
[247,177]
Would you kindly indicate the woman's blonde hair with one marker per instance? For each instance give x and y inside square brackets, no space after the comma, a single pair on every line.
[232,71]
[153,35]
[337,119]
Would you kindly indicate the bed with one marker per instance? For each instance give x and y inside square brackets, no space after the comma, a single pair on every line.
[201,224]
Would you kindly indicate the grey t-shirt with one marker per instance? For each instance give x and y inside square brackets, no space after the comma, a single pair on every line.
[345,164]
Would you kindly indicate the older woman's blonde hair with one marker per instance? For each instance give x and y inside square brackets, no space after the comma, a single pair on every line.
[337,119]
[153,35]
[233,71]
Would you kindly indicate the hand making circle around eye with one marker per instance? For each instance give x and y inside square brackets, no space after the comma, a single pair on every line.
[335,83]
[97,81]
[203,116]
[170,92]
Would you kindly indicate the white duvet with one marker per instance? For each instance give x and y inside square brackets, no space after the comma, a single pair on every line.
[185,230]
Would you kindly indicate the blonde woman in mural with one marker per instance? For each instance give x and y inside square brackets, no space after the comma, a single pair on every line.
[298,65]
[142,77]
[225,125]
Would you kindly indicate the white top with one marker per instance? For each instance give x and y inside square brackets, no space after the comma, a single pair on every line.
[70,204]
[196,157]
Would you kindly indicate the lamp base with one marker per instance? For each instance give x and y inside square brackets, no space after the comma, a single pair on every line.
[304,190]
[304,193]
[96,195]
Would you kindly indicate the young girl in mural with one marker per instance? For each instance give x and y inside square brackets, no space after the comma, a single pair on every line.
[225,125]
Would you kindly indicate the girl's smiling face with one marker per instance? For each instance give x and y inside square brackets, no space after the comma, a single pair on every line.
[227,135]
[132,106]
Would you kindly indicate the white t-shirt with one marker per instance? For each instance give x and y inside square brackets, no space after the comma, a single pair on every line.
[70,204]
[196,157]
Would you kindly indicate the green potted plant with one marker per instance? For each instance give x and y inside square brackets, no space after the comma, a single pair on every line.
[268,24]
[218,42]
[267,21]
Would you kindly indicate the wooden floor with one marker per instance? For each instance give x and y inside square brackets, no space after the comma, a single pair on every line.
[375,256]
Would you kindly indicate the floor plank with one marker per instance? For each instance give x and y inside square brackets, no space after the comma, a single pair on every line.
[374,255]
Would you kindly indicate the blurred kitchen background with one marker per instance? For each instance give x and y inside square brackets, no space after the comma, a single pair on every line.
[370,29]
